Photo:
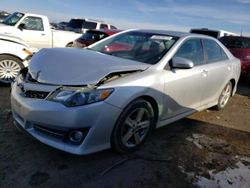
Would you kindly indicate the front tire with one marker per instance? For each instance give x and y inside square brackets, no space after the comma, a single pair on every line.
[224,96]
[133,126]
[9,68]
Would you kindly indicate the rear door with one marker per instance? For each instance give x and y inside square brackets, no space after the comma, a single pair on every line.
[34,33]
[218,70]
[184,87]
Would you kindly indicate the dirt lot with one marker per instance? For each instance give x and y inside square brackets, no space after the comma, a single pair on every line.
[208,149]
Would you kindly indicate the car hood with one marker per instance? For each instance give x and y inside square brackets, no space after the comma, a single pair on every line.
[12,39]
[69,66]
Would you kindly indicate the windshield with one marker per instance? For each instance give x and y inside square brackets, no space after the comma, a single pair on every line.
[235,42]
[13,18]
[139,46]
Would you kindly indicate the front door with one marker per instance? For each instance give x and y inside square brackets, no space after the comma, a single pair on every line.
[33,32]
[184,87]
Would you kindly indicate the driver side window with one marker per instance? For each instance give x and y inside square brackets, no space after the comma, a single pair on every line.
[33,23]
[192,50]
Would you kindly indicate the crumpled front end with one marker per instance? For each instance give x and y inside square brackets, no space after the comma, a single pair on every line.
[78,130]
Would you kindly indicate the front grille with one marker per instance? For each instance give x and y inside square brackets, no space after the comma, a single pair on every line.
[35,94]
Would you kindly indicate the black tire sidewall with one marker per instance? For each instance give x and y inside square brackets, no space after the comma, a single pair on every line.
[116,142]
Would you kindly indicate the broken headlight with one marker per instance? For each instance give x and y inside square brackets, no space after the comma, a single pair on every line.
[71,98]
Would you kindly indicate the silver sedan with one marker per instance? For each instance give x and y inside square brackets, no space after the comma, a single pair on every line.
[114,93]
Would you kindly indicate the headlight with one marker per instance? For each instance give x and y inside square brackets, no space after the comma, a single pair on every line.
[28,52]
[73,98]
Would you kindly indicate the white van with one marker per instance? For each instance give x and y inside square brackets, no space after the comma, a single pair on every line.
[213,33]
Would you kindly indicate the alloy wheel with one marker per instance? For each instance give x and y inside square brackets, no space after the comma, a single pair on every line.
[9,69]
[136,127]
[225,95]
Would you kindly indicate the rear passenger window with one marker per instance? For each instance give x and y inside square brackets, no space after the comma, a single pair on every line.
[104,26]
[214,51]
[192,50]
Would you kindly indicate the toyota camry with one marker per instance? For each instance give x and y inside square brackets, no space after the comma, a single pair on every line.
[115,92]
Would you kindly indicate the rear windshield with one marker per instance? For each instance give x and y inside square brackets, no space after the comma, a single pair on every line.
[235,42]
[75,23]
[203,32]
[89,25]
[93,35]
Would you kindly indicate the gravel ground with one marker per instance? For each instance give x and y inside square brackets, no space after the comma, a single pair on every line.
[207,149]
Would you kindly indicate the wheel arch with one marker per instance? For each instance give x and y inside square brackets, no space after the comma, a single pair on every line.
[233,82]
[15,56]
[69,44]
[154,104]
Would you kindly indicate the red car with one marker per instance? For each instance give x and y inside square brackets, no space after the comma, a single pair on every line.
[240,48]
[92,36]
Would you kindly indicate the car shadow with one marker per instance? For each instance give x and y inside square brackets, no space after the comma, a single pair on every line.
[243,87]
[162,160]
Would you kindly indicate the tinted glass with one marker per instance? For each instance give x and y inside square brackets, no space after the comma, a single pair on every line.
[104,26]
[192,50]
[89,25]
[235,42]
[75,23]
[92,35]
[204,32]
[113,27]
[33,23]
[139,46]
[13,18]
[214,51]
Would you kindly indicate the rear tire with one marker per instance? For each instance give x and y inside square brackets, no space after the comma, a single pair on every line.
[224,96]
[9,68]
[70,45]
[133,126]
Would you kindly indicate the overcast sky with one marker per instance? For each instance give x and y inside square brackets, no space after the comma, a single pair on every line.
[230,15]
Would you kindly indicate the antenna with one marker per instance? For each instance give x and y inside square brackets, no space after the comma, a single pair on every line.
[241,31]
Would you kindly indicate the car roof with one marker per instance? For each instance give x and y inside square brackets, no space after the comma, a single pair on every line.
[236,37]
[166,32]
[107,31]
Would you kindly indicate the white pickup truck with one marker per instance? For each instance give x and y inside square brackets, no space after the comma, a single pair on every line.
[36,31]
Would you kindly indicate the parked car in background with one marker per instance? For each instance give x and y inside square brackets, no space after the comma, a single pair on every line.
[13,53]
[82,25]
[240,48]
[116,98]
[36,31]
[62,25]
[3,15]
[92,36]
[213,32]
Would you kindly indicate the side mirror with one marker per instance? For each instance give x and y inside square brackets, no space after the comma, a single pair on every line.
[181,63]
[21,26]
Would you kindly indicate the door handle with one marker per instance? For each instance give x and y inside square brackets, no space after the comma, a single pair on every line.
[42,34]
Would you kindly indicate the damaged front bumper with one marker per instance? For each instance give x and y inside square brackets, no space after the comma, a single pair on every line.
[52,123]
